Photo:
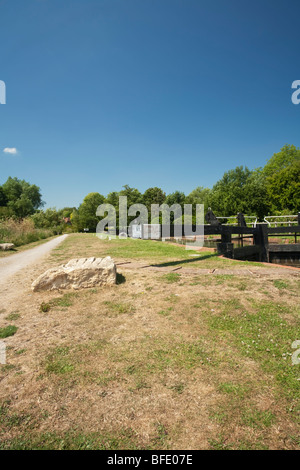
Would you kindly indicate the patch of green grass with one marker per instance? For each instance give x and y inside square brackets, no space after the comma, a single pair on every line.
[7,331]
[219,416]
[233,389]
[65,301]
[104,379]
[242,286]
[20,351]
[76,362]
[59,362]
[258,419]
[219,444]
[248,445]
[10,420]
[13,316]
[280,284]
[155,252]
[165,313]
[7,367]
[223,278]
[263,334]
[171,277]
[222,443]
[182,355]
[45,307]
[120,307]
[73,440]
[160,441]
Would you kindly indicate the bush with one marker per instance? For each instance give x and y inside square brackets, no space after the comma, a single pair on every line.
[21,232]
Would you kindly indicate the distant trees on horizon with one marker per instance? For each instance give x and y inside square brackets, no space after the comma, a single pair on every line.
[273,189]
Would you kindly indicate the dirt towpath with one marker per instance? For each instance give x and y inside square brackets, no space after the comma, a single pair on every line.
[14,263]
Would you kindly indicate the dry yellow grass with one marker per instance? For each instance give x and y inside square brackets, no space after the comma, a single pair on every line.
[180,362]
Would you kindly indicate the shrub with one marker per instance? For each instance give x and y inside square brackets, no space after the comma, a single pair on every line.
[21,232]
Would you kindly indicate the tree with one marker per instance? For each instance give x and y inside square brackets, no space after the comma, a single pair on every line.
[3,199]
[67,211]
[284,188]
[75,221]
[153,196]
[240,190]
[22,198]
[113,199]
[87,211]
[282,179]
[49,218]
[177,197]
[133,195]
[199,195]
[288,155]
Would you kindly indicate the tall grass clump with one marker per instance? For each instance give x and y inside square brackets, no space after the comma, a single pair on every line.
[21,232]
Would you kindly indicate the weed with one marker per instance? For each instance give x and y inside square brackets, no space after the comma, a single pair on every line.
[9,330]
[13,316]
[44,307]
[171,277]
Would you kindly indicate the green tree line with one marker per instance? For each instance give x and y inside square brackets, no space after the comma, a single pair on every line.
[273,189]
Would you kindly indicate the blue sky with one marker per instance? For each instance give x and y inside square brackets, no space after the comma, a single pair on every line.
[169,93]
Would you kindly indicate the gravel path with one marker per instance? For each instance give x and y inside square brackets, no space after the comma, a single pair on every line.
[14,263]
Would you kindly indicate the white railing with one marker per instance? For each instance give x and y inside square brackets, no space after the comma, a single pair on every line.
[283,220]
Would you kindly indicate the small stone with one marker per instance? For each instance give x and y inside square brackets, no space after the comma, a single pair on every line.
[6,246]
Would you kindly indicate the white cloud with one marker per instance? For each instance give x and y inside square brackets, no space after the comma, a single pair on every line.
[12,150]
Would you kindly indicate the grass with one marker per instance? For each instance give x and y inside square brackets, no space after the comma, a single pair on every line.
[154,362]
[7,331]
[58,362]
[149,251]
[65,301]
[262,333]
[171,277]
[258,419]
[119,307]
[21,232]
[165,313]
[68,440]
[233,389]
[280,284]
[13,316]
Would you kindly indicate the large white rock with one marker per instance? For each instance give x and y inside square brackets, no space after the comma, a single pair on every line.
[77,274]
[6,246]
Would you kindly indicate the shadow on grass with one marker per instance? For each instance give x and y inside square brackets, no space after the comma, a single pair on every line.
[185,261]
[120,278]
